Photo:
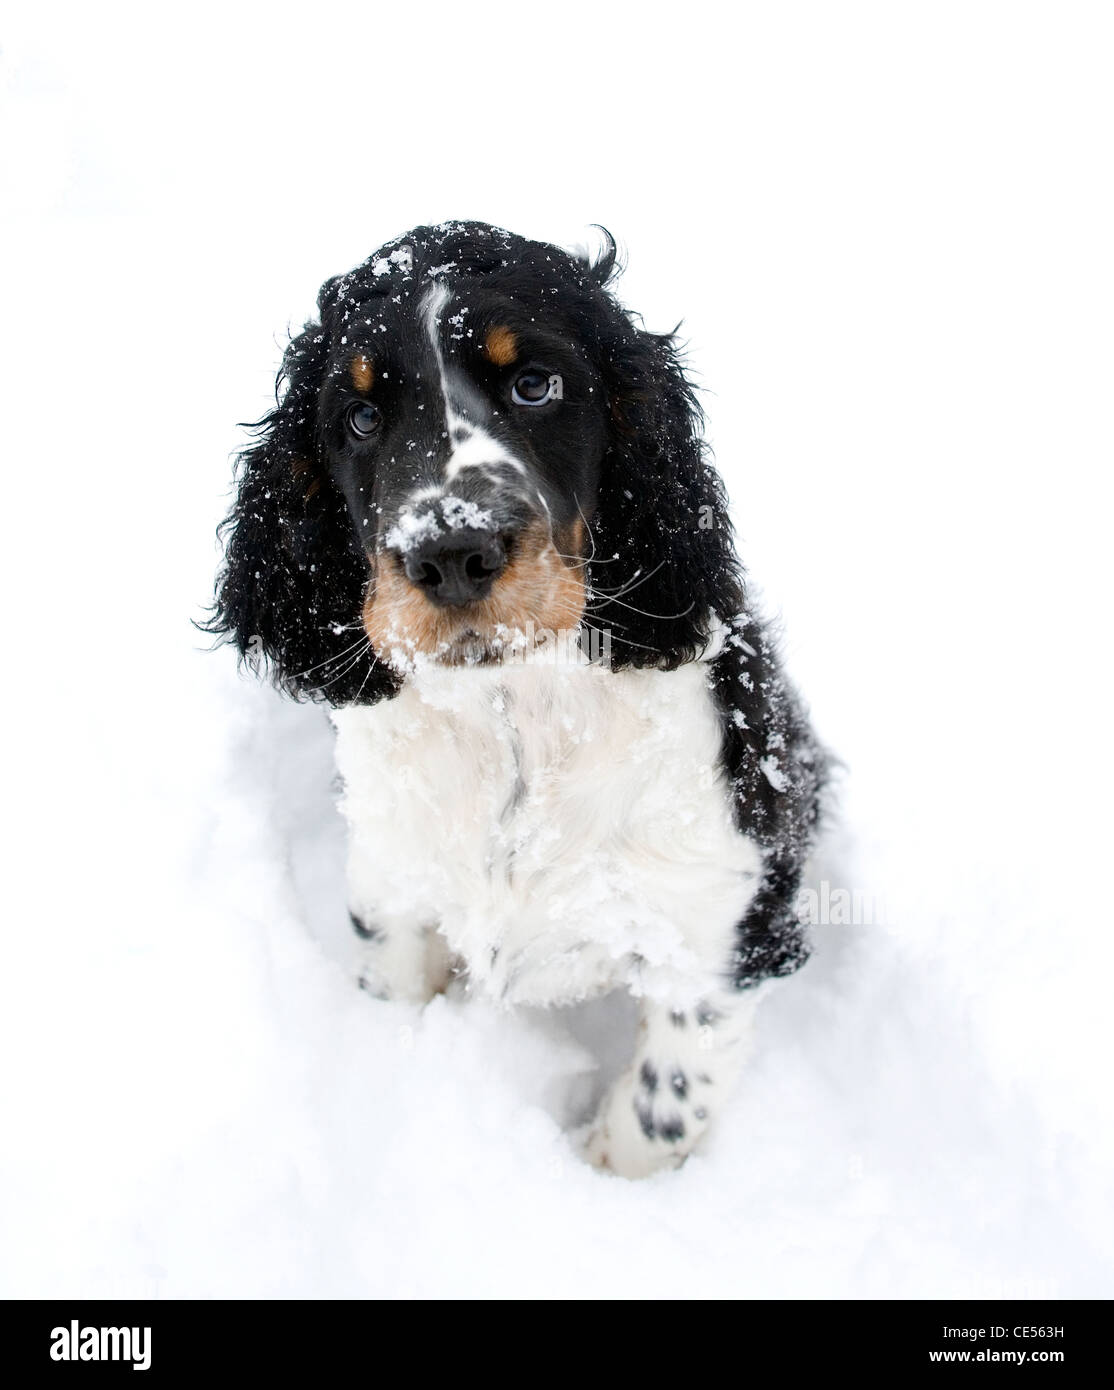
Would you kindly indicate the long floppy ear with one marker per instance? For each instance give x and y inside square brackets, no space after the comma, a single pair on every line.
[290,592]
[664,560]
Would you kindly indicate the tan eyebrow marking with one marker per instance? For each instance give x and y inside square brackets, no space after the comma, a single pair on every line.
[502,346]
[361,372]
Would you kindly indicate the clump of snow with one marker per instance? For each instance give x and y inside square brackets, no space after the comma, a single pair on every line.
[413,528]
[460,513]
[402,257]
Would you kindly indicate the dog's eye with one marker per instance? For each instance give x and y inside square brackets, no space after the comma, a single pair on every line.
[363,419]
[536,388]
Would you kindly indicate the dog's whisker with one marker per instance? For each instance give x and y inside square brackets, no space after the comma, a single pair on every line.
[582,559]
[336,656]
[642,612]
[624,589]
[370,668]
[349,665]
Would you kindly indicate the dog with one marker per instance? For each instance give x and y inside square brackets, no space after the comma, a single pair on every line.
[482,525]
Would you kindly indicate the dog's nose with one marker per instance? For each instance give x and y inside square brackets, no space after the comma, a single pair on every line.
[457,567]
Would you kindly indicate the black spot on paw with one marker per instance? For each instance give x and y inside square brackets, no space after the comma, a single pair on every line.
[649,1077]
[680,1084]
[366,933]
[678,1019]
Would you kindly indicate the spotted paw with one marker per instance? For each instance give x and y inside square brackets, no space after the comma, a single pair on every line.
[633,1138]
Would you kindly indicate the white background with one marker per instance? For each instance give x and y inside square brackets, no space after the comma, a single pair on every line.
[888,230]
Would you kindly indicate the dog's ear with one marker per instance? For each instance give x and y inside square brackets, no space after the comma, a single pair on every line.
[290,592]
[664,560]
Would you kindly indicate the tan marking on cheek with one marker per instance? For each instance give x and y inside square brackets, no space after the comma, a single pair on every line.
[570,541]
[502,346]
[568,597]
[539,587]
[396,614]
[361,372]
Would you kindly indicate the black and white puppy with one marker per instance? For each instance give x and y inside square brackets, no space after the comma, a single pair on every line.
[481,524]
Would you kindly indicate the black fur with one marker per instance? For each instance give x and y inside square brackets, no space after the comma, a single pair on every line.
[663,563]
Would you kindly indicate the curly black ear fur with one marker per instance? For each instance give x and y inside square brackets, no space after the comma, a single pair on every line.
[291,588]
[664,560]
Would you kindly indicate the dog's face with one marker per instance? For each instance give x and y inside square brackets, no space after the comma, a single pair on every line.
[473,446]
[465,426]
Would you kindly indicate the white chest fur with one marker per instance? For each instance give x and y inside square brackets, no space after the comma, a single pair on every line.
[567,829]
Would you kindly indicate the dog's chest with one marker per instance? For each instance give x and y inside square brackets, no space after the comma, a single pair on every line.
[562,826]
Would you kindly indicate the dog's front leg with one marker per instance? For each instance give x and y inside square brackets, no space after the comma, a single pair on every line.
[402,954]
[685,1064]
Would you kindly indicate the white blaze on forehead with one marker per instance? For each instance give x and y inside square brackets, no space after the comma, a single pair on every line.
[433,306]
[480,450]
[472,446]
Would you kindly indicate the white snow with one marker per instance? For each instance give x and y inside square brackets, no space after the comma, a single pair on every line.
[459,513]
[411,530]
[898,297]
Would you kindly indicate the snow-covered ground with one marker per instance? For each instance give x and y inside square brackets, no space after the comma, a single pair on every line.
[888,231]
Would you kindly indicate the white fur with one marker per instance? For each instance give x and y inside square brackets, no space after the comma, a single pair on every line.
[566,828]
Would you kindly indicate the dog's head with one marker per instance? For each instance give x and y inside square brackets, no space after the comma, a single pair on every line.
[473,447]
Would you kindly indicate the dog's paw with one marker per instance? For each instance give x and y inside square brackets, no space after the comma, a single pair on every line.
[632,1139]
[408,965]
